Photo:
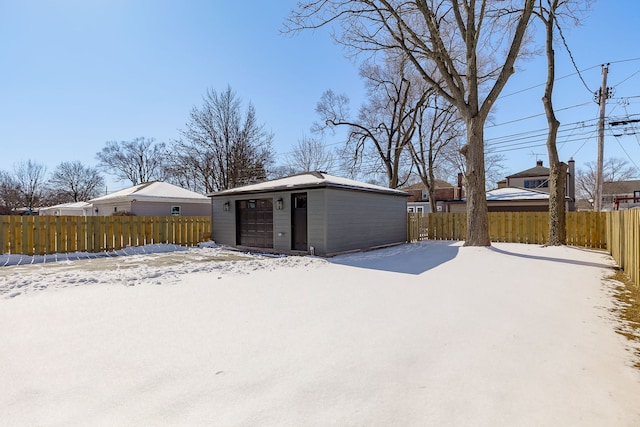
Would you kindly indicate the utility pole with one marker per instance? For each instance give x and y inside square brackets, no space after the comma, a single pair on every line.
[601,96]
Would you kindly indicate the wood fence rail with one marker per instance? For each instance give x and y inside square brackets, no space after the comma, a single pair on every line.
[583,228]
[41,235]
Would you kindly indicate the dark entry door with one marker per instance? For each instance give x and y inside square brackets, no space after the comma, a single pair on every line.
[299,221]
[254,223]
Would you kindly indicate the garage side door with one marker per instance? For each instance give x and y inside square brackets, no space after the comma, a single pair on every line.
[255,223]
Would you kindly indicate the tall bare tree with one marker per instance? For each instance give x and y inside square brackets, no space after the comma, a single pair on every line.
[10,197]
[473,44]
[549,13]
[614,170]
[30,176]
[546,12]
[438,126]
[454,163]
[75,182]
[141,160]
[386,121]
[223,146]
[310,154]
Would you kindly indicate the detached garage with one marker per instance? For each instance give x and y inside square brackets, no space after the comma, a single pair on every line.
[311,212]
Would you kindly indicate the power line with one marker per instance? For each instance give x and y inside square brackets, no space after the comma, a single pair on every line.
[537,115]
[625,152]
[566,46]
[578,72]
[616,85]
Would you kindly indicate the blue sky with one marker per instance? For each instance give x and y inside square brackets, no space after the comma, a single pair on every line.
[75,74]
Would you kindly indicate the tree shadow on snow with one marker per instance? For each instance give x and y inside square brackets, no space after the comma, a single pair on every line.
[411,258]
[553,259]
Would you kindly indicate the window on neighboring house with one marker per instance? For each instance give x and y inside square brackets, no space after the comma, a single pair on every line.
[420,209]
[425,196]
[115,209]
[536,183]
[175,210]
[636,194]
[410,210]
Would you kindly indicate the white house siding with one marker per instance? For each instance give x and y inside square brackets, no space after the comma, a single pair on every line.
[107,209]
[141,208]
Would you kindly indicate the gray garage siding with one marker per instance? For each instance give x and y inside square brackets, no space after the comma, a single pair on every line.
[316,215]
[338,219]
[357,219]
[281,221]
[223,223]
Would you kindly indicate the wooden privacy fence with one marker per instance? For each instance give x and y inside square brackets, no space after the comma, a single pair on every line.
[583,228]
[623,241]
[40,235]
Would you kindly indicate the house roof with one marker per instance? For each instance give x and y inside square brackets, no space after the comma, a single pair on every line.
[308,180]
[156,191]
[538,170]
[72,205]
[511,194]
[419,185]
[620,187]
[514,193]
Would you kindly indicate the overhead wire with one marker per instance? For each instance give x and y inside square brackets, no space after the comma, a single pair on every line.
[573,61]
[517,141]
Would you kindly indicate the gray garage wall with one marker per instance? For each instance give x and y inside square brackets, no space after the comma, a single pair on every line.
[359,220]
[338,220]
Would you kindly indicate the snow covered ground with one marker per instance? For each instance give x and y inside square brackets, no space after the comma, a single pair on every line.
[428,334]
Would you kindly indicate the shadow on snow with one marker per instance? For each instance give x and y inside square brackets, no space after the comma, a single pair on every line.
[553,259]
[411,258]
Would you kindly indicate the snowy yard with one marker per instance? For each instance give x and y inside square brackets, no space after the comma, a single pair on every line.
[428,334]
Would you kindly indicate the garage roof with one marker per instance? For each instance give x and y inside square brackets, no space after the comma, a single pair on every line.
[156,191]
[308,180]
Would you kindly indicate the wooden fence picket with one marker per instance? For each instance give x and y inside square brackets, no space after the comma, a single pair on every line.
[583,228]
[34,235]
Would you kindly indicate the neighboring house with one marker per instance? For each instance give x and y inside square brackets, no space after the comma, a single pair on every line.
[509,199]
[153,199]
[419,197]
[68,209]
[311,212]
[526,191]
[620,195]
[537,178]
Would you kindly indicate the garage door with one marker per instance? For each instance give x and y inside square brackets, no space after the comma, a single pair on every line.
[255,223]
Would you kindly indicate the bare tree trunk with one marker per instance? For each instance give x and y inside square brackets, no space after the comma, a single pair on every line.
[447,36]
[477,216]
[432,180]
[557,169]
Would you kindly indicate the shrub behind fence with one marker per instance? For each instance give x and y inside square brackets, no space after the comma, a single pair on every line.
[41,235]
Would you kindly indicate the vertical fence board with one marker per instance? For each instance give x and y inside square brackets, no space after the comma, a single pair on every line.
[583,228]
[4,235]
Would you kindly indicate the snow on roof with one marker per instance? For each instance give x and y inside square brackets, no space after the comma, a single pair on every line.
[156,190]
[72,205]
[513,193]
[306,180]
